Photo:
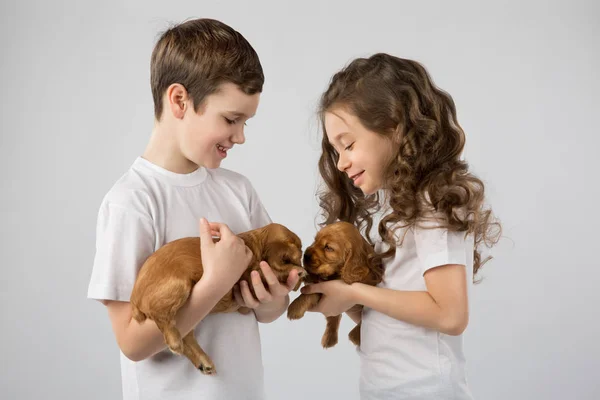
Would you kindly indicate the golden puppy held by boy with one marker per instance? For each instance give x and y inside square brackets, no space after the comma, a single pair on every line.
[165,281]
[338,252]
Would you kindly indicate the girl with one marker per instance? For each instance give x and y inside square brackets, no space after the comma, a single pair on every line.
[391,138]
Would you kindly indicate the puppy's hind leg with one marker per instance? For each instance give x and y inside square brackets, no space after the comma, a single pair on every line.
[354,335]
[193,351]
[171,335]
[330,337]
[165,304]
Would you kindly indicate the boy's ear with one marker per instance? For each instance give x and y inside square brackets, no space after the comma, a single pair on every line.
[176,98]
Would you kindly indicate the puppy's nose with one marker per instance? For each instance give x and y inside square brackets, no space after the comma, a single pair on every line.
[307,258]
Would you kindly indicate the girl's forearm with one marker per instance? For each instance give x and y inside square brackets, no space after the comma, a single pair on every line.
[417,308]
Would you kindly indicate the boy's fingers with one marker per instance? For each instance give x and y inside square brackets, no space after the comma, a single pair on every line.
[250,301]
[259,289]
[222,230]
[205,233]
[292,279]
[269,275]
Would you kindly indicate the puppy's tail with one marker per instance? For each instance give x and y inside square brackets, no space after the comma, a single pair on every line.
[137,314]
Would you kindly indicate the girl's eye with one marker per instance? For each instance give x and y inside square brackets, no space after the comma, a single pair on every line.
[350,146]
[230,121]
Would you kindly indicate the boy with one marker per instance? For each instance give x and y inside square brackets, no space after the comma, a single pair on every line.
[206,82]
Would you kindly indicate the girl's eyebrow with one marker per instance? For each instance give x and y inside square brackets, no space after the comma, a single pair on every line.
[339,136]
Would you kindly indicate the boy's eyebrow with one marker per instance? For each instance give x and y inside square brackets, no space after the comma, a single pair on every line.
[239,114]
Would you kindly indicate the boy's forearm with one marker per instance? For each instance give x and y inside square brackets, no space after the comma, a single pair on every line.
[417,308]
[269,312]
[145,339]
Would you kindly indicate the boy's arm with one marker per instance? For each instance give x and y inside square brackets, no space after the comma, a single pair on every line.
[267,313]
[139,341]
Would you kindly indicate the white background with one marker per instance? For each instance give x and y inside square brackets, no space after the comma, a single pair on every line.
[76,110]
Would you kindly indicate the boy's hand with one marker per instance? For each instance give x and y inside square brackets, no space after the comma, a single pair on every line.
[263,295]
[269,303]
[225,261]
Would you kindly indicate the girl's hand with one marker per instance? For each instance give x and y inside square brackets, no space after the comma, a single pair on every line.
[338,297]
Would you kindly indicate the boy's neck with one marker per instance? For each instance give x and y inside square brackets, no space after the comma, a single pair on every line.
[163,150]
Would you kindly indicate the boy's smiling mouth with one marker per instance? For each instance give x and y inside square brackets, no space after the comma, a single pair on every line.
[222,150]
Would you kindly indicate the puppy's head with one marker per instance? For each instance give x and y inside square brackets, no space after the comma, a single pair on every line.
[280,248]
[340,252]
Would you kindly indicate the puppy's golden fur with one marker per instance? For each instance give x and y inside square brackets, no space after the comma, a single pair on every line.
[165,281]
[338,252]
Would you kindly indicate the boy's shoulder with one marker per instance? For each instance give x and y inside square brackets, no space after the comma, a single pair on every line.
[131,191]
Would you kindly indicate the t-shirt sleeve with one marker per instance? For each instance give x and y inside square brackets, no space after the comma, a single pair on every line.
[438,246]
[258,214]
[124,240]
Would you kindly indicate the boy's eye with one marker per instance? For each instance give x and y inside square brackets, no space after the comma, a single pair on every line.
[349,147]
[233,121]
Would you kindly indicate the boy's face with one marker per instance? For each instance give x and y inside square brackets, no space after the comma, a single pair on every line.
[206,136]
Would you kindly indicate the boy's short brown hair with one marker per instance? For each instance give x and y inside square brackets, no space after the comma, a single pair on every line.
[201,54]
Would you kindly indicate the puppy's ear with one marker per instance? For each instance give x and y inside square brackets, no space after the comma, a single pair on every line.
[361,263]
[356,266]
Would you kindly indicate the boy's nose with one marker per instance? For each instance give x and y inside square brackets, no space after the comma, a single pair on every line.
[239,137]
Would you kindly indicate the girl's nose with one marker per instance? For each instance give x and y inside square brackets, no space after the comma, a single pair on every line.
[343,163]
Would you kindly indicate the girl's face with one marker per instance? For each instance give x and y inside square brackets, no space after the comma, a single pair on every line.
[363,154]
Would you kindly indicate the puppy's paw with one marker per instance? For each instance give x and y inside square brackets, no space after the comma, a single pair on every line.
[296,310]
[207,369]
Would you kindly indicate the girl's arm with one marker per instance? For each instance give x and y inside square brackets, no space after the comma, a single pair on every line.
[443,307]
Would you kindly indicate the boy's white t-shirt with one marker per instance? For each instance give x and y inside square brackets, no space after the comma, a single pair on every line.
[399,360]
[146,208]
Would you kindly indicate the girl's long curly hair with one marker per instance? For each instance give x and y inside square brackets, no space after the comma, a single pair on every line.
[396,98]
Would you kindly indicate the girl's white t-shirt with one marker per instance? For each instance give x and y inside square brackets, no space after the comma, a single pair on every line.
[146,208]
[403,361]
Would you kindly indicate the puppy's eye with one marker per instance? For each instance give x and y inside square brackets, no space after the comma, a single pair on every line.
[328,248]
